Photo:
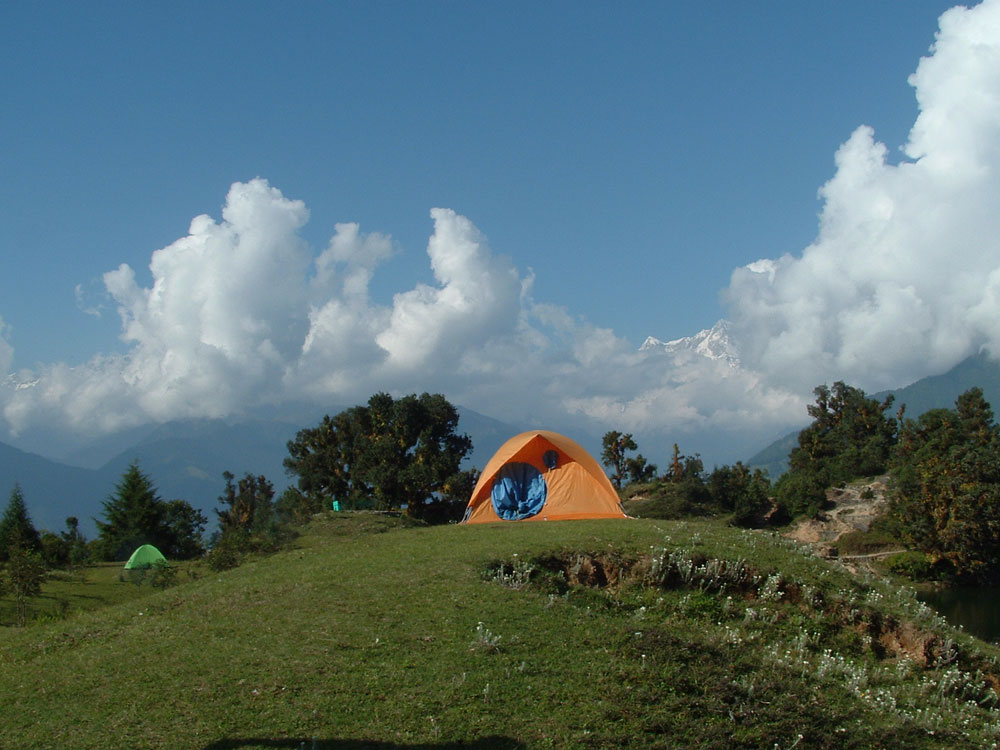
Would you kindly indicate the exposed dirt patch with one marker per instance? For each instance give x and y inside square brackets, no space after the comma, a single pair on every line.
[904,639]
[595,571]
[850,508]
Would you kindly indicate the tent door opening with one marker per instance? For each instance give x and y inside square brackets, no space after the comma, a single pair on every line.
[519,491]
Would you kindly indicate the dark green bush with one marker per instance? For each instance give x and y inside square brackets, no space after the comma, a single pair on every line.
[671,500]
[162,575]
[222,557]
[914,565]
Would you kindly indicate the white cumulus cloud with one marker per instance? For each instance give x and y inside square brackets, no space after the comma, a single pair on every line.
[477,297]
[901,281]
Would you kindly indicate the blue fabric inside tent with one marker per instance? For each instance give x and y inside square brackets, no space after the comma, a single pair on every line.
[519,491]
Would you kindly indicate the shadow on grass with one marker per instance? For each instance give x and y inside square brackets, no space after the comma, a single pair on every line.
[67,597]
[297,743]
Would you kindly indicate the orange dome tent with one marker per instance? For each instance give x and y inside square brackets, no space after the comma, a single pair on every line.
[542,476]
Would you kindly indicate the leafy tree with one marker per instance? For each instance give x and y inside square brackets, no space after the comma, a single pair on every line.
[460,485]
[452,500]
[76,542]
[850,437]
[411,449]
[247,521]
[326,457]
[295,507]
[388,454]
[16,527]
[945,487]
[25,572]
[614,455]
[134,515]
[184,530]
[248,505]
[639,470]
[744,492]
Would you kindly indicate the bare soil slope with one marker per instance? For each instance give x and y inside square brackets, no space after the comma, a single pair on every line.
[850,508]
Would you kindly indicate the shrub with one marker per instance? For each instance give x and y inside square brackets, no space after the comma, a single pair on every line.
[914,565]
[669,500]
[162,575]
[866,542]
[222,557]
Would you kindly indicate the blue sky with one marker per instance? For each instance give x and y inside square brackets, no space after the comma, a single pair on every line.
[631,155]
[626,158]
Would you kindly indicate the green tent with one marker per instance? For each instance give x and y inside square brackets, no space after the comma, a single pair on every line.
[142,560]
[144,557]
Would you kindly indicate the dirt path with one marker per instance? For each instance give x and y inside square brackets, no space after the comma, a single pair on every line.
[870,555]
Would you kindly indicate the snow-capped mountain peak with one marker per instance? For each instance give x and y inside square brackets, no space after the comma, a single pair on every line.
[16,383]
[712,343]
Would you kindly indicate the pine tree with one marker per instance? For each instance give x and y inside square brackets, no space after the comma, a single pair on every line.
[134,515]
[16,527]
[184,526]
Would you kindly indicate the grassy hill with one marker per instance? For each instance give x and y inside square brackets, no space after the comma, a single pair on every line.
[576,634]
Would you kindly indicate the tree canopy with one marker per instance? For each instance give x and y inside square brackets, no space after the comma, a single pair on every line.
[388,454]
[744,492]
[850,437]
[247,505]
[625,469]
[945,487]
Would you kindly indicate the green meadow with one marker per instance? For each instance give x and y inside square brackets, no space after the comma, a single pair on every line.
[372,632]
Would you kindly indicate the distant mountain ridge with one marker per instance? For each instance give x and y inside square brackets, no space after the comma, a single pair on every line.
[185,459]
[934,392]
[941,391]
[52,491]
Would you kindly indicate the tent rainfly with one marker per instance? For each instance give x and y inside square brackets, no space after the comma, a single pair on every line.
[542,476]
[144,557]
